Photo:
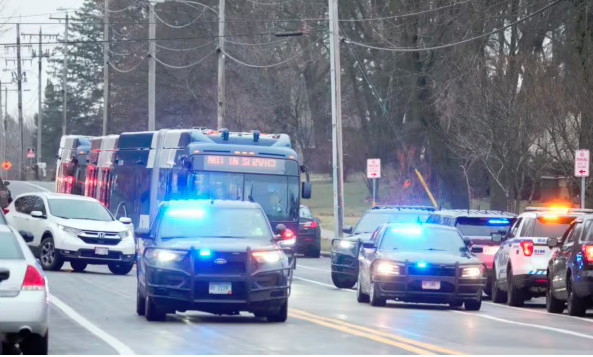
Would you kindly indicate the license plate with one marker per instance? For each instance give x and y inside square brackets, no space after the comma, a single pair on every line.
[431,285]
[101,251]
[221,288]
[490,250]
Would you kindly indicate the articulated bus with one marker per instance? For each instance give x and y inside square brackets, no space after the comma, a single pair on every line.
[71,164]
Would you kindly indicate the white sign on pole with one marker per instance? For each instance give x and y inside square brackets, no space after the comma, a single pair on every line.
[374,168]
[581,163]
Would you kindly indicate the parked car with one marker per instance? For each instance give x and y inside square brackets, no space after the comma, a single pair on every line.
[309,236]
[5,195]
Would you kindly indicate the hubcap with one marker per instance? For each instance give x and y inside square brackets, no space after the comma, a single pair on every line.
[48,254]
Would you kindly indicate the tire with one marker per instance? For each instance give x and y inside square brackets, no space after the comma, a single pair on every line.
[360,296]
[515,296]
[314,252]
[343,282]
[456,304]
[374,299]
[152,312]
[49,258]
[553,305]
[36,345]
[575,306]
[280,315]
[473,305]
[121,268]
[498,296]
[140,302]
[78,265]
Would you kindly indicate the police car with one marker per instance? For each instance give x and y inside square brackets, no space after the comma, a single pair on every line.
[521,262]
[214,256]
[344,252]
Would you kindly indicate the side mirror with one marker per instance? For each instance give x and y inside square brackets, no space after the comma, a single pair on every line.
[143,233]
[27,236]
[368,244]
[467,241]
[552,242]
[496,237]
[306,190]
[38,214]
[280,229]
[347,229]
[6,183]
[477,249]
[125,220]
[4,274]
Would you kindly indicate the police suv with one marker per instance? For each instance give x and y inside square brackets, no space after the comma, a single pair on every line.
[521,262]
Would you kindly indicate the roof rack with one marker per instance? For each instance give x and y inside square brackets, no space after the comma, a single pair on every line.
[400,207]
[561,209]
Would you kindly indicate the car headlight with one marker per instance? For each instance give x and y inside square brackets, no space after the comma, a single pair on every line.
[166,256]
[267,257]
[70,230]
[471,272]
[124,234]
[343,244]
[387,268]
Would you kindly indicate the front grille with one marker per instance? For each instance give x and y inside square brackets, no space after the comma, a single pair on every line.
[101,241]
[103,238]
[432,270]
[235,263]
[268,280]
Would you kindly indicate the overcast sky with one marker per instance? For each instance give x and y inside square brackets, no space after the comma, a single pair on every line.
[26,8]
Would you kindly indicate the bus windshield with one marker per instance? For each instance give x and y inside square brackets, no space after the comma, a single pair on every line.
[278,195]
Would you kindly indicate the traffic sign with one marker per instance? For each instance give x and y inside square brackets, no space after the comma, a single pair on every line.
[31,154]
[373,168]
[6,165]
[581,163]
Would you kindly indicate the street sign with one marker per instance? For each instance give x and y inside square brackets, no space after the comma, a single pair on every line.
[31,154]
[373,168]
[6,165]
[581,163]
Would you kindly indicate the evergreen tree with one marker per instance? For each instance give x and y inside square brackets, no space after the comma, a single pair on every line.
[52,124]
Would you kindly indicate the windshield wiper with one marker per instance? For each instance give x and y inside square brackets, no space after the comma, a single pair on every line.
[63,217]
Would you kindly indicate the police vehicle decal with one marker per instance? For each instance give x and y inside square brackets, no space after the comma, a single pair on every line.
[537,272]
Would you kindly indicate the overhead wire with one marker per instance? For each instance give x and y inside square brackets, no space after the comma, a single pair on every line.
[269,3]
[255,44]
[185,66]
[178,26]
[408,14]
[126,70]
[418,49]
[184,49]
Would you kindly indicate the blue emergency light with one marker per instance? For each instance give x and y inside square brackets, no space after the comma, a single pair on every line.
[205,253]
[498,221]
[421,264]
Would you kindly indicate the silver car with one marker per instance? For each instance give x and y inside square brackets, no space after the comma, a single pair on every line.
[24,296]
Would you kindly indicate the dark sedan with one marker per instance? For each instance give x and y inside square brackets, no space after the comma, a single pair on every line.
[309,236]
[422,263]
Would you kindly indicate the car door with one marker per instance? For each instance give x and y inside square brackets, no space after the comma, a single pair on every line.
[22,212]
[558,263]
[568,247]
[502,256]
[37,225]
[365,258]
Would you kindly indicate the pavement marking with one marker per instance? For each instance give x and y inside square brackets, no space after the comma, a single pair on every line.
[370,336]
[34,185]
[541,327]
[389,335]
[306,267]
[539,312]
[119,346]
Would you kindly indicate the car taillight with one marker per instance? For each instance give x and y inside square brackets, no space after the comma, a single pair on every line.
[33,279]
[288,234]
[311,224]
[527,247]
[5,210]
[588,252]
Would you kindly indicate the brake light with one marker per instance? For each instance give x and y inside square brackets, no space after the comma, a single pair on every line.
[33,279]
[311,224]
[288,234]
[588,252]
[527,247]
[5,210]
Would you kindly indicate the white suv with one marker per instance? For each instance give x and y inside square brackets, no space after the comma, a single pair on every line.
[73,228]
[521,262]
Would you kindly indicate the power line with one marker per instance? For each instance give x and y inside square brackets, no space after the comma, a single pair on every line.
[406,15]
[256,44]
[177,26]
[274,64]
[148,23]
[186,66]
[126,70]
[184,49]
[417,49]
[269,3]
[131,6]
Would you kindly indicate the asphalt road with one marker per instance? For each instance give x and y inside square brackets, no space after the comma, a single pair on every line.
[94,313]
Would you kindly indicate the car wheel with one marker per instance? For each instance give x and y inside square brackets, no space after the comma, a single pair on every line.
[78,265]
[553,305]
[120,268]
[575,305]
[343,282]
[473,305]
[498,296]
[279,315]
[48,256]
[152,312]
[140,302]
[455,304]
[314,252]
[35,345]
[374,299]
[515,295]
[360,296]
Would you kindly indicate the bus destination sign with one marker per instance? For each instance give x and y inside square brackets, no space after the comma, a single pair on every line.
[243,164]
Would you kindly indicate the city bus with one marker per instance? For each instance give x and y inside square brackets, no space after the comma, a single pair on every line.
[71,166]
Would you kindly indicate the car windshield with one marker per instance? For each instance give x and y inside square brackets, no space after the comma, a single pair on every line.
[208,222]
[550,226]
[9,247]
[418,238]
[371,220]
[482,227]
[79,209]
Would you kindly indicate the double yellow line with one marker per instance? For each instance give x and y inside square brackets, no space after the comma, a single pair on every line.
[410,345]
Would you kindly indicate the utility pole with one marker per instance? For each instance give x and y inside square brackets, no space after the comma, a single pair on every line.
[106,68]
[337,158]
[20,96]
[64,75]
[221,64]
[151,67]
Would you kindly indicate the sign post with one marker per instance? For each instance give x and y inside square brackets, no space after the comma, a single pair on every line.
[374,172]
[581,169]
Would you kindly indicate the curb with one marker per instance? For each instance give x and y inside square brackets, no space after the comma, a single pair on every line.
[326,254]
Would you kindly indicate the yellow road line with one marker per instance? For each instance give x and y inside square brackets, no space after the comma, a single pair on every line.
[355,332]
[402,339]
